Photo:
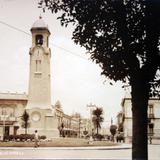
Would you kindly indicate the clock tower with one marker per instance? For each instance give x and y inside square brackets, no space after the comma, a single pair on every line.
[39,94]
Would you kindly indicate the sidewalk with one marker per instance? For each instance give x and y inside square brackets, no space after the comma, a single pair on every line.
[117,147]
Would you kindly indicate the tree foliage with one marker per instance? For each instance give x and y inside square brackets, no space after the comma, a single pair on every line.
[97,118]
[113,129]
[25,120]
[120,127]
[121,36]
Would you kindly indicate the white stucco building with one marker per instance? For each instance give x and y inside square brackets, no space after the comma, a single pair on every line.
[12,106]
[124,117]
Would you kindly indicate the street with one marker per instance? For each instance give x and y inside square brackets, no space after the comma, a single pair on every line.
[79,152]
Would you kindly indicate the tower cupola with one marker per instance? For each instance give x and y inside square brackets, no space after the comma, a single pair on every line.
[40,33]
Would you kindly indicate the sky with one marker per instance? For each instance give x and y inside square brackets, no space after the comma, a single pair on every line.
[76,81]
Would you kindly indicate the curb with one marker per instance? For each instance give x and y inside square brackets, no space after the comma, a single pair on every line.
[67,148]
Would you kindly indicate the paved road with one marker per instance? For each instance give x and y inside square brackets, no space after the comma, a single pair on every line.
[81,153]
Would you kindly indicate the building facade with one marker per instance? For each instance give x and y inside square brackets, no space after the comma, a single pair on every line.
[72,125]
[38,101]
[87,127]
[12,106]
[68,125]
[124,117]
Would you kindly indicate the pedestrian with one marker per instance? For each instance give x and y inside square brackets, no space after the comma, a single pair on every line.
[36,139]
[90,140]
[150,140]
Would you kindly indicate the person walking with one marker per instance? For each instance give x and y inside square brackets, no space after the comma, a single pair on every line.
[36,139]
[90,140]
[150,140]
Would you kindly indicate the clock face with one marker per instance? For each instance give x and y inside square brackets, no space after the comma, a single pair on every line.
[36,116]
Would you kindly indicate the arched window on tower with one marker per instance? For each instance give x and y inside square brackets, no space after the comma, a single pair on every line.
[39,39]
[38,65]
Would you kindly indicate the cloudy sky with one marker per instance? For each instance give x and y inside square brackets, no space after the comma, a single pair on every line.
[76,80]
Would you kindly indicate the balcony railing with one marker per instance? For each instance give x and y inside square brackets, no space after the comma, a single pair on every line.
[151,115]
[8,118]
[151,125]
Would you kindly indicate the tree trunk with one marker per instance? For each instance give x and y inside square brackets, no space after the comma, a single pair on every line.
[26,127]
[140,96]
[25,130]
[97,128]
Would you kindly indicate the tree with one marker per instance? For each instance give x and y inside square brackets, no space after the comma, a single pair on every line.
[113,130]
[122,36]
[25,120]
[97,118]
[120,127]
[60,128]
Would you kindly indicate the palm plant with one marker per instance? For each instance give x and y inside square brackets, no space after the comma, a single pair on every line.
[97,118]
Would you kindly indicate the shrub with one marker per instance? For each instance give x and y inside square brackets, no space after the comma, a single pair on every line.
[6,138]
[98,137]
[22,137]
[26,137]
[43,137]
[16,137]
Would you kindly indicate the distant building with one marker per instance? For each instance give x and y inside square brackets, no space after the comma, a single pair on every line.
[58,113]
[72,125]
[86,127]
[12,106]
[124,117]
[68,125]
